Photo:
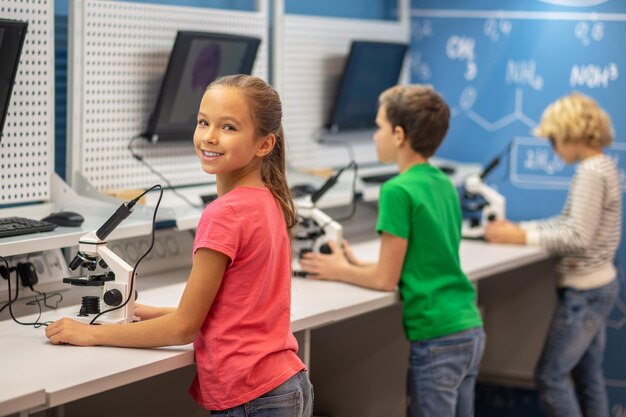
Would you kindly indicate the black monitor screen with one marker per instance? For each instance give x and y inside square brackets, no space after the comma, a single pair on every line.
[196,60]
[12,34]
[371,68]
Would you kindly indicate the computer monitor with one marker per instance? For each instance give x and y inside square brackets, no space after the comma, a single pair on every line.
[12,34]
[371,68]
[196,60]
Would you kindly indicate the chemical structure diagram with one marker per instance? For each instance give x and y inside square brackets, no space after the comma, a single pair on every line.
[468,98]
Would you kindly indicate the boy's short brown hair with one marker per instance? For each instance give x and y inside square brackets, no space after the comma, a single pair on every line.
[576,118]
[421,112]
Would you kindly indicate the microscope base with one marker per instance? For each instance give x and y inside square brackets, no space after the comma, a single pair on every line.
[104,319]
[468,232]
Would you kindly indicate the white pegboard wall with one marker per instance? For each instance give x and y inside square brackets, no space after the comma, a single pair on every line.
[123,51]
[27,144]
[314,50]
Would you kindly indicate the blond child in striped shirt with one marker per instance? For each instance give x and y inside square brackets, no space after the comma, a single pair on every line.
[585,236]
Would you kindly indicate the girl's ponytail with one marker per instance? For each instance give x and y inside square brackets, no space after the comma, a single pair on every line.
[274,175]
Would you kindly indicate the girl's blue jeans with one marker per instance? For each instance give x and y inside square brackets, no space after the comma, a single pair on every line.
[575,347]
[442,374]
[294,398]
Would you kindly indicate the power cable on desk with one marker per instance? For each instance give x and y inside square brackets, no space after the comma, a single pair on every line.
[45,296]
[17,289]
[131,292]
[36,323]
[157,173]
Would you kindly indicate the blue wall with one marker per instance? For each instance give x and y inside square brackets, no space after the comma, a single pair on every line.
[499,67]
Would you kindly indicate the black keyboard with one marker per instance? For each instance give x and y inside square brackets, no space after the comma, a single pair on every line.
[384,176]
[378,178]
[15,226]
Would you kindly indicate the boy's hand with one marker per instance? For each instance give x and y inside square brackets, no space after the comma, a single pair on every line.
[503,231]
[326,267]
[67,331]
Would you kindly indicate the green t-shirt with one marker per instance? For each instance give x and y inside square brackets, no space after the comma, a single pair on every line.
[422,206]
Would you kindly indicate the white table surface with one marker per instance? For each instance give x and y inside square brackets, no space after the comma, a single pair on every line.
[16,397]
[478,258]
[69,373]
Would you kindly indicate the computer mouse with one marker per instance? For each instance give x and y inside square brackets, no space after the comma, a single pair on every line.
[65,218]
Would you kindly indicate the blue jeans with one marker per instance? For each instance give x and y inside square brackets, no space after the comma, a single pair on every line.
[443,373]
[575,347]
[294,398]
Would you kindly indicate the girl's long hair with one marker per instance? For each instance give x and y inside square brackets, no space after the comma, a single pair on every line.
[266,111]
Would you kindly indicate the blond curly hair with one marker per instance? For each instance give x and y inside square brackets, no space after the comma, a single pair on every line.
[576,118]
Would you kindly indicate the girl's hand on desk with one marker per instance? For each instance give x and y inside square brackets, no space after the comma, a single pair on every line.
[503,231]
[327,267]
[68,331]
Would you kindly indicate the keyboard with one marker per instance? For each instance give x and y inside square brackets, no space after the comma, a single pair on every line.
[384,176]
[15,226]
[378,178]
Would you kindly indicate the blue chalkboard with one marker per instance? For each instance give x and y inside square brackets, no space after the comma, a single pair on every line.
[498,65]
[499,69]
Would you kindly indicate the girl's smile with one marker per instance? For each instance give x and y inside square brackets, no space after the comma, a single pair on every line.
[210,156]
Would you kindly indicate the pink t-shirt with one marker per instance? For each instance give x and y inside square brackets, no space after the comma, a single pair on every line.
[245,347]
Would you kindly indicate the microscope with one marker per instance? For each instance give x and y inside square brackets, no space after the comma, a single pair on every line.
[315,228]
[116,305]
[480,203]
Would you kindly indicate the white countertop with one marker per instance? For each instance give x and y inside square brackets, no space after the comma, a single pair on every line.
[24,395]
[478,258]
[68,373]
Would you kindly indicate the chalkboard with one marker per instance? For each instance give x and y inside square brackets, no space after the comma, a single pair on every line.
[498,70]
[498,65]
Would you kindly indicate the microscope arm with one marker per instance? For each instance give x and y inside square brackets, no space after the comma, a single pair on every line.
[332,229]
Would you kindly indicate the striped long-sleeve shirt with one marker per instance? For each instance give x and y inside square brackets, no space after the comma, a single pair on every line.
[587,232]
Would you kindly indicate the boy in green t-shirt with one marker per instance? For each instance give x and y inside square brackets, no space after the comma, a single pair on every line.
[419,222]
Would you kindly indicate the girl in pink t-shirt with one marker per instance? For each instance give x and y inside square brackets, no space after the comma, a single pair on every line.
[236,304]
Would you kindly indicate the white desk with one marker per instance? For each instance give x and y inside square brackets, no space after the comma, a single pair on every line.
[478,259]
[15,398]
[68,373]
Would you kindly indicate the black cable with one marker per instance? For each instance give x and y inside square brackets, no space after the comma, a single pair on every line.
[36,323]
[353,204]
[355,167]
[45,296]
[134,274]
[496,161]
[17,290]
[157,173]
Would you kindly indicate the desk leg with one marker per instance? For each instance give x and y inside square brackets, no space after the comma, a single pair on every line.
[58,411]
[307,348]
